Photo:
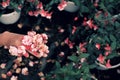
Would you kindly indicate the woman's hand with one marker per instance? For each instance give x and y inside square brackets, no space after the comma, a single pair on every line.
[8,39]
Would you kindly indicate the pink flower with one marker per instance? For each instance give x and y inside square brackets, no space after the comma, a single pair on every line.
[4,4]
[45,37]
[76,18]
[31,63]
[40,5]
[98,46]
[108,65]
[31,13]
[31,33]
[95,27]
[15,66]
[43,13]
[107,48]
[61,54]
[37,39]
[48,15]
[62,5]
[101,58]
[18,60]
[69,43]
[34,48]
[26,55]
[107,53]
[20,7]
[14,78]
[2,66]
[9,73]
[90,23]
[27,40]
[61,30]
[82,48]
[21,49]
[43,48]
[13,51]
[36,13]
[82,60]
[85,21]
[25,71]
[74,29]
[82,44]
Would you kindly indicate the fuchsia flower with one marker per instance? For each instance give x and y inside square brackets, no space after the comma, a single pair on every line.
[40,11]
[43,13]
[25,71]
[107,53]
[27,40]
[101,58]
[31,63]
[14,78]
[46,14]
[20,7]
[49,15]
[39,6]
[74,29]
[31,13]
[61,54]
[36,13]
[5,3]
[76,18]
[98,46]
[13,51]
[9,73]
[90,24]
[107,48]
[82,48]
[84,21]
[108,65]
[62,5]
[2,66]
[69,43]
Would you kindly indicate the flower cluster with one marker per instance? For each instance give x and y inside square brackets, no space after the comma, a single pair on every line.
[5,3]
[11,4]
[32,43]
[39,10]
[62,5]
[102,58]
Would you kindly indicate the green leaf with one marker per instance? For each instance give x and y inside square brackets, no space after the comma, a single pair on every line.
[111,0]
[73,58]
[92,66]
[106,39]
[86,70]
[84,9]
[117,24]
[112,55]
[112,38]
[57,64]
[77,2]
[66,78]
[84,55]
[113,45]
[78,49]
